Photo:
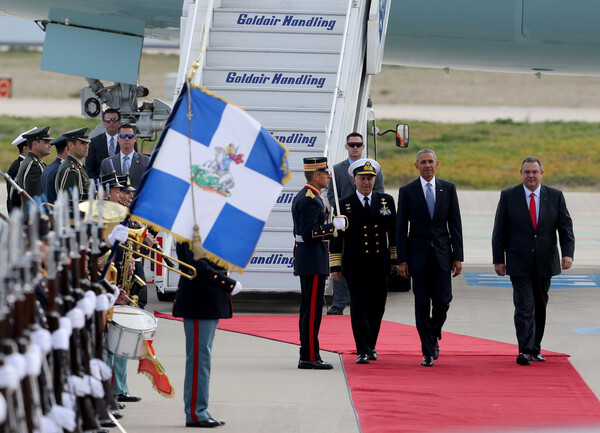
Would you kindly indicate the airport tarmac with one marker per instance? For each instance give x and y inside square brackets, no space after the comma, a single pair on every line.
[257,387]
[31,107]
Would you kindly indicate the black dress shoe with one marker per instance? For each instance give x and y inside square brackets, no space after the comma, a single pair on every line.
[121,405]
[538,358]
[372,355]
[108,423]
[523,359]
[117,415]
[128,397]
[315,365]
[362,359]
[427,361]
[335,311]
[206,423]
[436,351]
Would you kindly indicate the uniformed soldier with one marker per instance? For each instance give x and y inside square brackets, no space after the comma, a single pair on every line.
[366,254]
[49,174]
[29,176]
[13,199]
[112,187]
[71,172]
[127,190]
[311,263]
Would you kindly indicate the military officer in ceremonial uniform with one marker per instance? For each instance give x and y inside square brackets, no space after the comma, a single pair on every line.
[29,176]
[311,263]
[13,199]
[71,172]
[201,302]
[365,254]
[49,174]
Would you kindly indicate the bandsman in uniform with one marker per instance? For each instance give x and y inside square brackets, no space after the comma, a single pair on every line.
[29,176]
[49,174]
[71,172]
[311,261]
[13,200]
[365,254]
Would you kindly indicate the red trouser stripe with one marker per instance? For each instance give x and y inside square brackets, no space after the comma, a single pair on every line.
[195,374]
[313,311]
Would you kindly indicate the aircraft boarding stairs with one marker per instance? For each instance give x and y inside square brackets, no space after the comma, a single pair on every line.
[298,67]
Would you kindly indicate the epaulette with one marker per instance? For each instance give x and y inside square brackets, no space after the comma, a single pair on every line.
[309,194]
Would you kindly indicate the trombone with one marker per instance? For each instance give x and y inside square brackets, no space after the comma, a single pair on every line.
[134,237]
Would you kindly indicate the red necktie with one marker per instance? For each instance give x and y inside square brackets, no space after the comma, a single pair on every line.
[532,209]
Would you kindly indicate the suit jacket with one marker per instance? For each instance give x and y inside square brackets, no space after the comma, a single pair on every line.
[206,297]
[417,231]
[97,153]
[13,200]
[369,242]
[312,231]
[517,244]
[345,184]
[137,168]
[48,178]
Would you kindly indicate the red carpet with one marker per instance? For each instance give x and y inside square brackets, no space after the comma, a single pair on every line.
[475,384]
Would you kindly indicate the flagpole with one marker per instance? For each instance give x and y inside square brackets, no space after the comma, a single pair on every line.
[330,164]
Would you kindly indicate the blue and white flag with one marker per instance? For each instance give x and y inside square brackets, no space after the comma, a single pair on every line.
[221,171]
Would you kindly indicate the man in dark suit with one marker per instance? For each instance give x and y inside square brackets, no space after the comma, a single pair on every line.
[430,248]
[49,174]
[201,302]
[524,246]
[346,187]
[365,254]
[127,161]
[104,145]
[13,199]
[311,257]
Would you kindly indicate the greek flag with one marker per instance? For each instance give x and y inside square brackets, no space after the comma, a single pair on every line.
[220,170]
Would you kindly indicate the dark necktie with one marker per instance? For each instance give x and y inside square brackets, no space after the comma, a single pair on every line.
[532,210]
[367,207]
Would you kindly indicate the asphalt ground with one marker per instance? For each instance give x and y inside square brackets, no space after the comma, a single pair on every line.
[257,387]
[31,107]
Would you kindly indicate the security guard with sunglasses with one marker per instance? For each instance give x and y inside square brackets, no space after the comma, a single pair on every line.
[127,161]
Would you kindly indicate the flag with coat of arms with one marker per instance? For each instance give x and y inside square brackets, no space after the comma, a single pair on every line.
[215,168]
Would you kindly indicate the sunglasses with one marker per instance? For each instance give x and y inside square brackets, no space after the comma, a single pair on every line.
[130,136]
[113,120]
[355,144]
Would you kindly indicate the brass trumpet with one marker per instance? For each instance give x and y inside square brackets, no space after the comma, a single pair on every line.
[136,237]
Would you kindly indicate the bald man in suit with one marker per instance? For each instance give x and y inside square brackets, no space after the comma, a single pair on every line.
[524,246]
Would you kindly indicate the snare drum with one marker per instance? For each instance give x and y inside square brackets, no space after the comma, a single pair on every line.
[127,331]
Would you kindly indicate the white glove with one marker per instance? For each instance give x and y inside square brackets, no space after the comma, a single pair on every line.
[237,289]
[119,233]
[340,223]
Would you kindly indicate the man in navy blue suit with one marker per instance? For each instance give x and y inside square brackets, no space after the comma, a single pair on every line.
[430,248]
[524,246]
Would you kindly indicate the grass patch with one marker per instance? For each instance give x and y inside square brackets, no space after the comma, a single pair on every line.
[488,155]
[482,156]
[11,127]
